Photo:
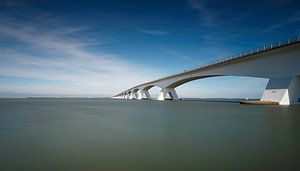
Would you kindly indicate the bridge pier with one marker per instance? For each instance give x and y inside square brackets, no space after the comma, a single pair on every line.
[142,93]
[135,95]
[147,94]
[131,95]
[284,90]
[163,93]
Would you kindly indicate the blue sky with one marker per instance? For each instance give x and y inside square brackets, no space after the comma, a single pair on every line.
[100,48]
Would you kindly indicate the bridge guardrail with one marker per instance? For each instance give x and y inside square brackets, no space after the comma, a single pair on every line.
[248,53]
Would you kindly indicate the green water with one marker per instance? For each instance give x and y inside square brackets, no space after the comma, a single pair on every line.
[131,135]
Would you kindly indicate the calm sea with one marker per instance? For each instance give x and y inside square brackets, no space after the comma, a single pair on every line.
[132,135]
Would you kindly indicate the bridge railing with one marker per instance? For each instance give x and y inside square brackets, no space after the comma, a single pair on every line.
[249,52]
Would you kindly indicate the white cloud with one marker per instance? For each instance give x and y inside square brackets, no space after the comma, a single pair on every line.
[60,58]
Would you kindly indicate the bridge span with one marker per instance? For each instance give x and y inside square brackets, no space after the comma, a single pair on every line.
[279,62]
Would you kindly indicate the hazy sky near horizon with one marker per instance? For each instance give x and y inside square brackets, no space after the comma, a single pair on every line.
[100,48]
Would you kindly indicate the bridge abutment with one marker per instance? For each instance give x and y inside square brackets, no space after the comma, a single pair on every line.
[284,90]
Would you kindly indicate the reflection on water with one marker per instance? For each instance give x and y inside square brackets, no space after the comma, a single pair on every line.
[97,134]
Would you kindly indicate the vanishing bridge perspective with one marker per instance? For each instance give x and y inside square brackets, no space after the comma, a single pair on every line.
[279,62]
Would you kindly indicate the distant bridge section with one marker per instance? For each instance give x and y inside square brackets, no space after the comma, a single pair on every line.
[279,62]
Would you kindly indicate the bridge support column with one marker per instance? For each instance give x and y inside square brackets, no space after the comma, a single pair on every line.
[147,94]
[284,90]
[130,95]
[171,91]
[135,95]
[142,93]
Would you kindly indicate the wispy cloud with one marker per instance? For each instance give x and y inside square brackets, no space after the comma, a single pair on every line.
[214,46]
[50,54]
[292,19]
[208,17]
[154,32]
[182,57]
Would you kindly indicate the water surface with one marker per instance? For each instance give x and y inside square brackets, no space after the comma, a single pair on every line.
[108,135]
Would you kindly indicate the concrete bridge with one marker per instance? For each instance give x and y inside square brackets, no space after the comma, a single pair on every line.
[279,62]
